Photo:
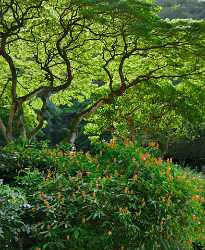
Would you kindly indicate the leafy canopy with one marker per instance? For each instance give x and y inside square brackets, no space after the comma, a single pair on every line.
[53,50]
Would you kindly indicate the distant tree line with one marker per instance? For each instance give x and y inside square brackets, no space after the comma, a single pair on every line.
[182,9]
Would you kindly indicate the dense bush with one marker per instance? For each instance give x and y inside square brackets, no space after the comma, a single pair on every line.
[12,204]
[17,157]
[123,198]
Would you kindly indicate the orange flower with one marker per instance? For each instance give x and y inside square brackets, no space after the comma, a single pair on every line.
[42,196]
[168,173]
[158,161]
[126,142]
[169,160]
[135,177]
[143,202]
[94,195]
[123,210]
[198,198]
[46,203]
[143,158]
[151,144]
[189,242]
[60,196]
[133,158]
[112,143]
[72,154]
[194,218]
[49,176]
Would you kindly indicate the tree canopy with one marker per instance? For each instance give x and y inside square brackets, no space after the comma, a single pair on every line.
[53,50]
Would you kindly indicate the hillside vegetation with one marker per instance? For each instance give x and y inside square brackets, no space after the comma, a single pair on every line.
[124,197]
[102,125]
[194,9]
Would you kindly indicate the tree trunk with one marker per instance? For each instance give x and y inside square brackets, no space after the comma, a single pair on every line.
[3,131]
[20,121]
[74,130]
[133,132]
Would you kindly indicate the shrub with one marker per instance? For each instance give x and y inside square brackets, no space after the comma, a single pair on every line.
[12,205]
[17,157]
[123,198]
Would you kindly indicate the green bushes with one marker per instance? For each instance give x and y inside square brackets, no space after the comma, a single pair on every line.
[123,198]
[17,157]
[12,204]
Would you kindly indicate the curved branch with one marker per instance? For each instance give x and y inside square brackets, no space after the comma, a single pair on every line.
[40,118]
[12,68]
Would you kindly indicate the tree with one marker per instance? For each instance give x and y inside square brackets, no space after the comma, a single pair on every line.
[182,9]
[53,50]
[162,112]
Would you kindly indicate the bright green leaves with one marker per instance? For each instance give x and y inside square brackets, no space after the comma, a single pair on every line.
[153,111]
[134,15]
[124,196]
[63,48]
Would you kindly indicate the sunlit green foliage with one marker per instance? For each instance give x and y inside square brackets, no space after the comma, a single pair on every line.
[141,77]
[122,197]
[54,50]
[162,112]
